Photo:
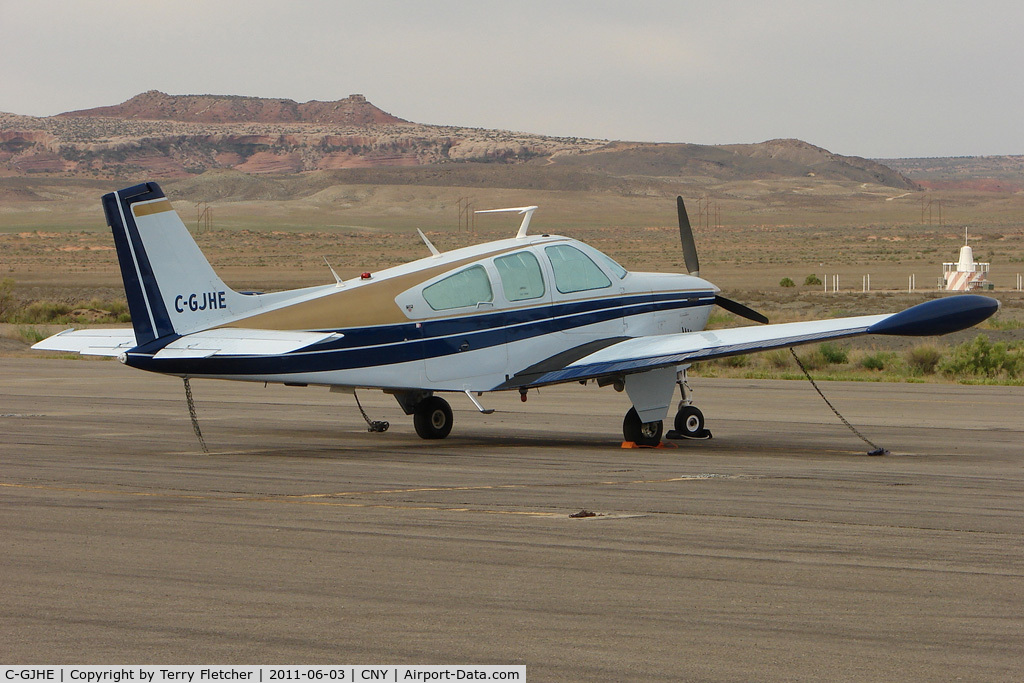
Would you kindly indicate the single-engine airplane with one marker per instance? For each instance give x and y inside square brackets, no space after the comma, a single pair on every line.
[514,314]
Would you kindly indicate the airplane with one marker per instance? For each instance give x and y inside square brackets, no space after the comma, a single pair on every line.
[510,315]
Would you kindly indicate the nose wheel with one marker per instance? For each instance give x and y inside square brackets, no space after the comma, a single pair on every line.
[689,424]
[689,421]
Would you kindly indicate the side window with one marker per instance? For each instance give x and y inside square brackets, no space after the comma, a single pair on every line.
[574,271]
[521,278]
[466,288]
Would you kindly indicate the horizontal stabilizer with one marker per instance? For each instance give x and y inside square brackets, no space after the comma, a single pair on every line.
[229,341]
[92,342]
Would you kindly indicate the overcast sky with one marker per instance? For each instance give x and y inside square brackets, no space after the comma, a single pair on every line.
[871,78]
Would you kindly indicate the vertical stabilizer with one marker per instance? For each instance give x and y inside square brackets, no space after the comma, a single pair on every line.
[170,286]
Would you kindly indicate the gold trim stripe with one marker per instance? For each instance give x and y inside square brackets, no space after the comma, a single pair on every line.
[155,207]
[368,304]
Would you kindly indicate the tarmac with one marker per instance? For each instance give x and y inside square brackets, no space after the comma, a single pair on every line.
[776,551]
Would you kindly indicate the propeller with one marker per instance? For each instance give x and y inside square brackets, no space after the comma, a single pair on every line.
[739,309]
[693,267]
[686,237]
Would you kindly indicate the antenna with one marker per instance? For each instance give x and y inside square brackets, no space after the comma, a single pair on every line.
[527,210]
[336,278]
[430,246]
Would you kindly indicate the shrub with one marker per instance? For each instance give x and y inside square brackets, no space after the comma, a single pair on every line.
[833,353]
[31,334]
[778,358]
[46,312]
[735,361]
[812,279]
[923,359]
[813,360]
[997,322]
[9,305]
[982,357]
[880,360]
[787,282]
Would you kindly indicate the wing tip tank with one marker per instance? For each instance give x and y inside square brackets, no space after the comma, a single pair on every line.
[939,316]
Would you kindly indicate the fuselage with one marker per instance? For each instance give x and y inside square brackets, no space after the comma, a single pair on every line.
[473,319]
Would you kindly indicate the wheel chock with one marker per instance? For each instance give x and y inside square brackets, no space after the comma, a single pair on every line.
[661,444]
[679,436]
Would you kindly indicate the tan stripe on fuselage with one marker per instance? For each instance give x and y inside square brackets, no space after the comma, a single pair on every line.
[369,303]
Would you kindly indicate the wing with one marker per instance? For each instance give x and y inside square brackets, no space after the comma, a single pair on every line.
[639,354]
[225,341]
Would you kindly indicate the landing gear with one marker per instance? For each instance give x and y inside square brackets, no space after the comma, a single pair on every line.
[689,423]
[432,418]
[641,433]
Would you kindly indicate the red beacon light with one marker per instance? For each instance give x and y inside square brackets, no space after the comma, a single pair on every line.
[365,276]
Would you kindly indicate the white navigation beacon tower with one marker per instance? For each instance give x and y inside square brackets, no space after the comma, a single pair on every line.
[965,274]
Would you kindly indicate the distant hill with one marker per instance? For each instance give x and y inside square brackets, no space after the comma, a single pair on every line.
[155,135]
[986,174]
[154,105]
[771,159]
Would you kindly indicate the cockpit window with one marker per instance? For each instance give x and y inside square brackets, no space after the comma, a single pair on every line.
[521,278]
[574,271]
[468,287]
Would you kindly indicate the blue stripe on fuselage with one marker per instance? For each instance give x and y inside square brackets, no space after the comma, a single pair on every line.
[419,340]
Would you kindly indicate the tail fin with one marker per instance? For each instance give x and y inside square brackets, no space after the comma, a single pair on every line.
[171,287]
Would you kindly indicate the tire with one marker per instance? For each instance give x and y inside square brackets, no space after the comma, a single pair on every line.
[690,422]
[433,418]
[641,433]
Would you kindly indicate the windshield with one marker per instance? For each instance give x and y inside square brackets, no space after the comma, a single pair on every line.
[610,264]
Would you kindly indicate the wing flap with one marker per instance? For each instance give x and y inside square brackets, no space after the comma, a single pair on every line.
[230,341]
[90,342]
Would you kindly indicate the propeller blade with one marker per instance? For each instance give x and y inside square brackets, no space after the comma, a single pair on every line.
[739,309]
[686,237]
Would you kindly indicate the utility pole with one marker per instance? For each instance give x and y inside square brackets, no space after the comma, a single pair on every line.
[466,210]
[204,218]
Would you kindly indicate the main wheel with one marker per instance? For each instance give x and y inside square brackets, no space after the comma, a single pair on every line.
[432,418]
[641,433]
[690,422]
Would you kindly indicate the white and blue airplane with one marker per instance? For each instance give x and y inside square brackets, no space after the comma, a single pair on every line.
[509,315]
